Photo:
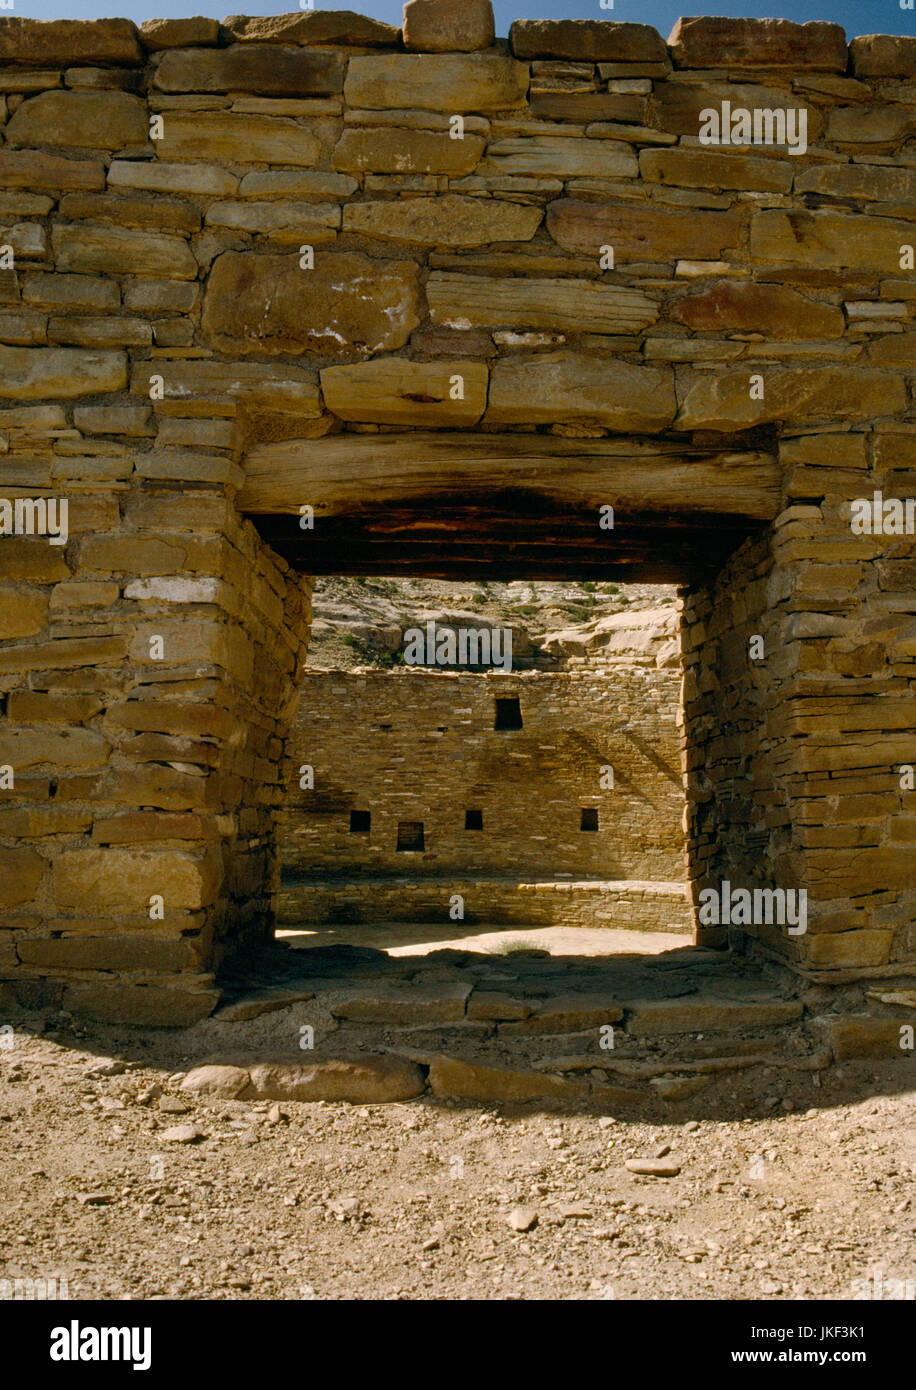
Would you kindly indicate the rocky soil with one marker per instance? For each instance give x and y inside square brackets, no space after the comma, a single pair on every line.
[783,1185]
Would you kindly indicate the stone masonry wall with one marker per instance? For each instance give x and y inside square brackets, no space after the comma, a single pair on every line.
[216,237]
[421,746]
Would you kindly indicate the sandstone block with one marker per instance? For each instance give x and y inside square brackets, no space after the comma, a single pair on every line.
[226,1083]
[313,184]
[66,292]
[22,614]
[722,401]
[122,251]
[263,69]
[160,177]
[282,221]
[715,42]
[21,872]
[394,391]
[448,220]
[565,387]
[45,373]
[571,1013]
[347,304]
[148,1006]
[405,1006]
[97,120]
[641,233]
[731,306]
[63,747]
[109,952]
[450,1077]
[675,106]
[715,169]
[566,158]
[477,83]
[123,880]
[866,182]
[858,1035]
[58,42]
[654,1018]
[363,1080]
[441,26]
[587,40]
[237,139]
[870,125]
[158,34]
[33,169]
[523,302]
[849,948]
[830,240]
[38,707]
[883,55]
[387,150]
[132,420]
[497,1006]
[331,27]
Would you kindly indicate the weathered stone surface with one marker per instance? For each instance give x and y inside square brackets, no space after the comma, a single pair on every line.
[448,220]
[716,42]
[316,27]
[388,150]
[222,135]
[21,871]
[364,1080]
[124,879]
[641,233]
[58,42]
[395,391]
[654,1167]
[96,120]
[146,1006]
[497,1006]
[883,55]
[568,1013]
[404,1005]
[715,169]
[118,251]
[65,747]
[881,126]
[831,240]
[476,83]
[32,169]
[460,1080]
[564,386]
[734,306]
[22,614]
[159,214]
[852,1035]
[587,40]
[849,948]
[224,1082]
[265,70]
[564,158]
[722,400]
[652,1018]
[866,182]
[161,177]
[178,33]
[32,374]
[300,183]
[675,107]
[441,26]
[292,222]
[347,304]
[577,305]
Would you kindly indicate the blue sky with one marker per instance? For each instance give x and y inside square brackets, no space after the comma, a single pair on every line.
[856,16]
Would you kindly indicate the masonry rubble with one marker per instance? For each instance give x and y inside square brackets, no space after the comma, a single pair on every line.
[160,192]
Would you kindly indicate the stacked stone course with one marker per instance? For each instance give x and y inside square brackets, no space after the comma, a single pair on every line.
[160,330]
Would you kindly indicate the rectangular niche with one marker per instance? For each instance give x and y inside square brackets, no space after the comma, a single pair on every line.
[410,835]
[589,818]
[473,820]
[508,713]
[360,822]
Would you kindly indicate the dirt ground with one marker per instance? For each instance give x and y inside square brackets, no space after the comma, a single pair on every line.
[790,1185]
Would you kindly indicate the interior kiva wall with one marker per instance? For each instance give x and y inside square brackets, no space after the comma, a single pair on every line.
[256,268]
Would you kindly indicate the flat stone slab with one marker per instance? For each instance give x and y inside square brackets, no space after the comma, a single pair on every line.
[442,1003]
[451,1077]
[568,1013]
[496,1006]
[363,1080]
[222,1082]
[705,1015]
[264,1001]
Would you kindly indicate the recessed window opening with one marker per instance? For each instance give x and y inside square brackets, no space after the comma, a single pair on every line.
[589,818]
[410,835]
[473,820]
[360,822]
[508,713]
